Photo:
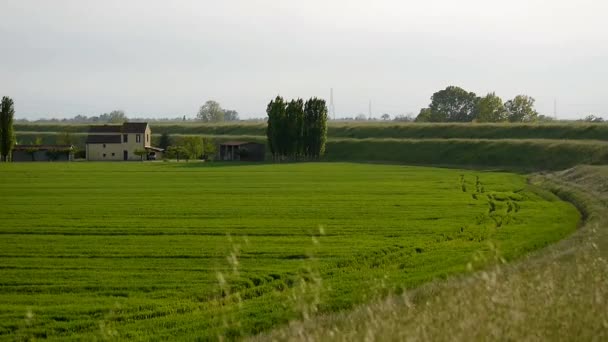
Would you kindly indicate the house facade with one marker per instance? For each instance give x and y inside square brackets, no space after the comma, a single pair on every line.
[120,142]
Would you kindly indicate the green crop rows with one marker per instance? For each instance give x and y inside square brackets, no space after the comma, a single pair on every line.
[186,251]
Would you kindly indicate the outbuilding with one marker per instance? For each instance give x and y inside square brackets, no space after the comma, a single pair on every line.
[28,153]
[242,151]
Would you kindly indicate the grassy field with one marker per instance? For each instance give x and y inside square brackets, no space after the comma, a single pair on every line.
[556,294]
[185,251]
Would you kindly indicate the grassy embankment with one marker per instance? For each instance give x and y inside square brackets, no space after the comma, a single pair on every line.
[557,294]
[514,146]
[185,251]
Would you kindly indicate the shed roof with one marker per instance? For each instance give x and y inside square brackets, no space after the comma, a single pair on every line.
[155,149]
[104,139]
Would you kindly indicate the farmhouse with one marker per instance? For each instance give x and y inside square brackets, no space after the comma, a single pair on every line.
[120,142]
[242,151]
[27,153]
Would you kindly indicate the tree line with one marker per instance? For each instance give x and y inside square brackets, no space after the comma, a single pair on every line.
[296,129]
[455,104]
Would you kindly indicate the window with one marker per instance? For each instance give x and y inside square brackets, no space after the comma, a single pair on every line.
[148,138]
[138,138]
[113,154]
[104,145]
[104,155]
[125,138]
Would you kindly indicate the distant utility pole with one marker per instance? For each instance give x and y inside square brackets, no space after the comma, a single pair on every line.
[555,109]
[370,109]
[332,108]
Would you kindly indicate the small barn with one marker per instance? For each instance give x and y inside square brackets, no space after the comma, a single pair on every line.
[242,151]
[28,153]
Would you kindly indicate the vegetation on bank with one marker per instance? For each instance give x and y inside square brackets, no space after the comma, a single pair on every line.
[367,130]
[198,250]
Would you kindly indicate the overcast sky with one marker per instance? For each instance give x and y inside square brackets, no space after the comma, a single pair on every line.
[165,58]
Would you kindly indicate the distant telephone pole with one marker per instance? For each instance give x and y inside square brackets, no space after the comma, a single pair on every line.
[555,109]
[332,108]
[370,109]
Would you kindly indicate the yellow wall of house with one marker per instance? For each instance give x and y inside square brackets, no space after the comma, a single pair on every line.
[97,151]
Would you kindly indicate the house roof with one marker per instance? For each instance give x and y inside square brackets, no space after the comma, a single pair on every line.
[134,127]
[104,139]
[105,129]
[42,147]
[127,127]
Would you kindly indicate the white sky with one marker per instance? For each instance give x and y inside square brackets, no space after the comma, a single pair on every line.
[165,58]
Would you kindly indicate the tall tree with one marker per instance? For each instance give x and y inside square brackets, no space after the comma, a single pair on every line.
[7,133]
[165,141]
[490,108]
[521,109]
[211,111]
[275,129]
[315,127]
[294,116]
[453,104]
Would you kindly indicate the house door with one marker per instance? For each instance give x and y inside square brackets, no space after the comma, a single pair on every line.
[125,155]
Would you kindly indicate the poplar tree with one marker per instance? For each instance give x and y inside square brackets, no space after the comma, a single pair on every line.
[294,124]
[315,127]
[275,131]
[7,134]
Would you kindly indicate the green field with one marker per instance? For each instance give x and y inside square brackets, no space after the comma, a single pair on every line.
[185,251]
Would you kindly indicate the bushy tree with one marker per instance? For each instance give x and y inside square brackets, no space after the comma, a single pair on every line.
[209,148]
[453,104]
[424,116]
[521,109]
[385,117]
[490,108]
[193,147]
[115,116]
[141,153]
[231,115]
[7,133]
[211,111]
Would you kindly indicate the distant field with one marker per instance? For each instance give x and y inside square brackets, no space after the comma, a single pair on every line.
[184,251]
